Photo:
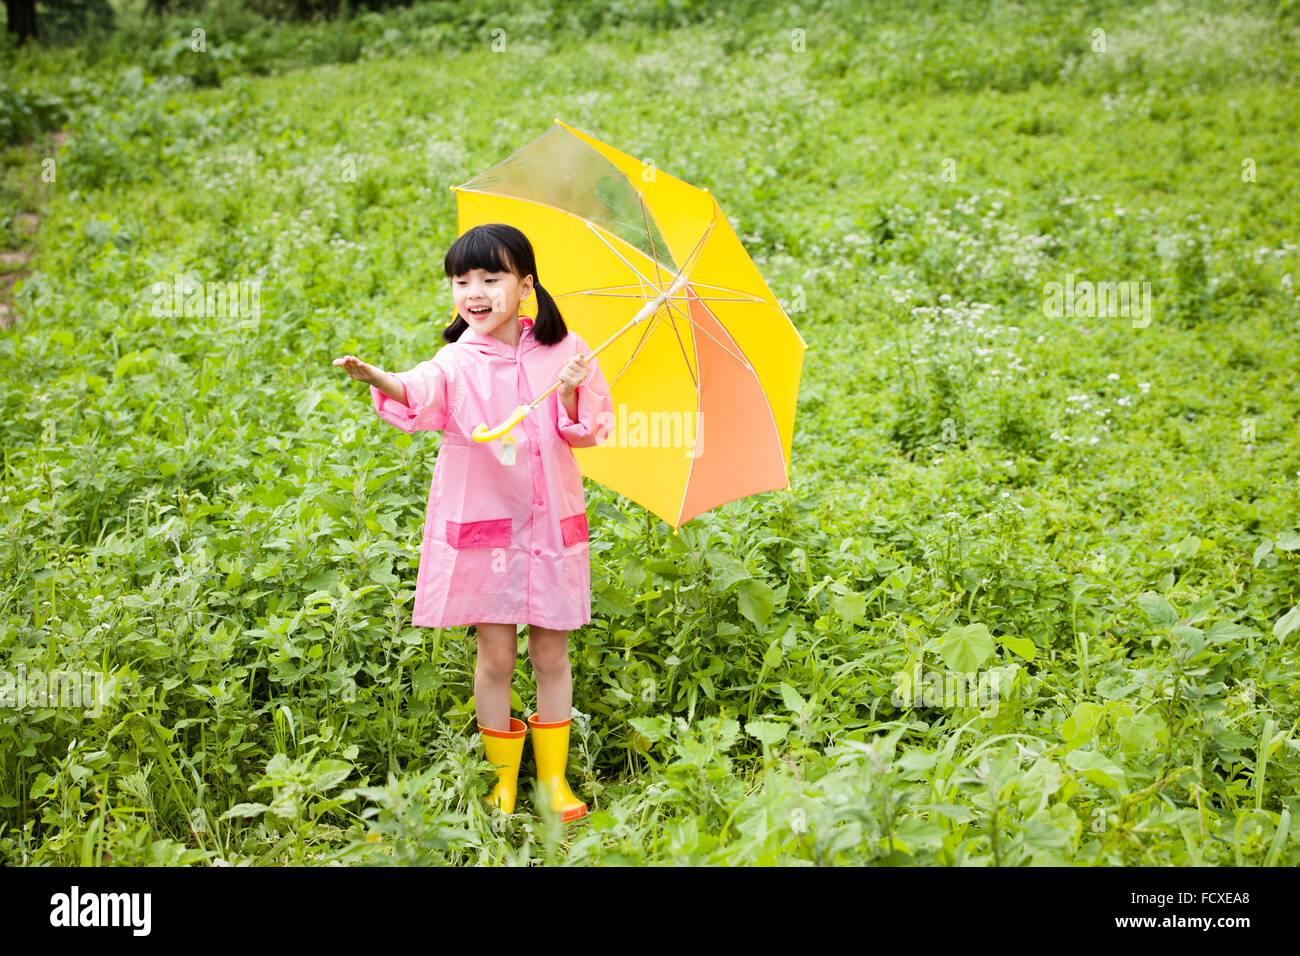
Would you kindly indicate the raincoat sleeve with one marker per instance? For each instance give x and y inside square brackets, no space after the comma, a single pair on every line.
[595,411]
[425,408]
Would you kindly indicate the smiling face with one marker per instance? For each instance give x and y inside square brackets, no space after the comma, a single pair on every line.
[488,300]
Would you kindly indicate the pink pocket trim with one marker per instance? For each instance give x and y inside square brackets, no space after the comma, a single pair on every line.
[574,529]
[479,534]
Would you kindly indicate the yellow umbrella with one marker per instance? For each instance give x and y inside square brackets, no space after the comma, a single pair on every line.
[705,388]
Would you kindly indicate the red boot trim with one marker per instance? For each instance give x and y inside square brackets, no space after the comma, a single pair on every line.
[517,729]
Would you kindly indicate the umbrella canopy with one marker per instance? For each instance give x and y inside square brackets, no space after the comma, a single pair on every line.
[705,383]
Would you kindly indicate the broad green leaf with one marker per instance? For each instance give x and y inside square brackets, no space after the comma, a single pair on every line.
[1223,632]
[1192,637]
[653,728]
[756,600]
[726,571]
[728,732]
[769,732]
[1044,834]
[851,607]
[427,677]
[1159,611]
[665,569]
[917,759]
[1200,610]
[1022,646]
[1289,541]
[1041,780]
[245,810]
[610,599]
[306,404]
[1287,624]
[790,697]
[772,656]
[956,812]
[1080,726]
[966,648]
[330,773]
[1096,767]
[1139,732]
[914,833]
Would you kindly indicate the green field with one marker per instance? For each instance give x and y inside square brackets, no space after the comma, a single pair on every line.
[1094,514]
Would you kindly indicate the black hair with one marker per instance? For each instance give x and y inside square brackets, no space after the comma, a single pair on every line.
[497,247]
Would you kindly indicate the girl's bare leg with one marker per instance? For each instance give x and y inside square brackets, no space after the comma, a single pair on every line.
[549,652]
[497,645]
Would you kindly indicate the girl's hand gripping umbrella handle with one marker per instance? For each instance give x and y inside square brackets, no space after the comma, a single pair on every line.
[483,434]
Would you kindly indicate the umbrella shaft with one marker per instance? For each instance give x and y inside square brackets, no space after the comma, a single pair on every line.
[648,310]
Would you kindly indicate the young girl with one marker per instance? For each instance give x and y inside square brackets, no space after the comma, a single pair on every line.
[505,540]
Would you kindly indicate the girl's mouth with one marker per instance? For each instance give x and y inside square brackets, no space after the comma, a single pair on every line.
[480,311]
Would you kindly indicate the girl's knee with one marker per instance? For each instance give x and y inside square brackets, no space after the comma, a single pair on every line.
[549,656]
[495,664]
[496,653]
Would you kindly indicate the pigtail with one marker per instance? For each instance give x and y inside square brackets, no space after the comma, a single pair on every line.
[453,332]
[548,327]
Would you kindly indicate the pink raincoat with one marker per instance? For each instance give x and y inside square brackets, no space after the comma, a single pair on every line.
[503,543]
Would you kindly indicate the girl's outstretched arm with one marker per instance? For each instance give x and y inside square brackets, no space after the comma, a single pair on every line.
[390,385]
[415,400]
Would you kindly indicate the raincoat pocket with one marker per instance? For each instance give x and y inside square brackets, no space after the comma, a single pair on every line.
[574,529]
[479,534]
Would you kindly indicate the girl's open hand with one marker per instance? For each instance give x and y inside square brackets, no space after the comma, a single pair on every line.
[359,369]
[573,374]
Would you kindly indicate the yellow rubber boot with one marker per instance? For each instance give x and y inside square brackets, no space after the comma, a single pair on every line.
[551,752]
[504,748]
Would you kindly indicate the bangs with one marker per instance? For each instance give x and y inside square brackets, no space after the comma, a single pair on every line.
[477,249]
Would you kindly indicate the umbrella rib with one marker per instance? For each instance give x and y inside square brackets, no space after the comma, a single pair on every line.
[723,288]
[632,295]
[645,214]
[739,358]
[645,337]
[644,280]
[691,259]
[682,345]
